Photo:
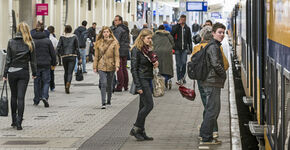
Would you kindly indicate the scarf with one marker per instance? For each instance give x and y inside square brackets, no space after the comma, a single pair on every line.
[149,54]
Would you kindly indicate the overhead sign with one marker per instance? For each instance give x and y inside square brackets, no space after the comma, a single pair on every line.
[216,15]
[196,6]
[41,9]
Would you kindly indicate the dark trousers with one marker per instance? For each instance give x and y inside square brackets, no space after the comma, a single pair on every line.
[52,83]
[212,110]
[122,74]
[59,59]
[68,65]
[18,82]
[180,58]
[41,84]
[145,104]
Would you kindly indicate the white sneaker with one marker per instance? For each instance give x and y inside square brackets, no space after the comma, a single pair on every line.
[103,107]
[215,135]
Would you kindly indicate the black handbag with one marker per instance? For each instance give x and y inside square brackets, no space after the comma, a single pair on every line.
[133,89]
[79,74]
[4,101]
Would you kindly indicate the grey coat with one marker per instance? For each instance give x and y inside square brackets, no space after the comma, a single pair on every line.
[217,74]
[163,44]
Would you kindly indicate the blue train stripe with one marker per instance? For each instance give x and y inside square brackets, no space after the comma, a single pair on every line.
[280,53]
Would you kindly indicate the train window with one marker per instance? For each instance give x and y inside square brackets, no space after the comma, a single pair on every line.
[287,113]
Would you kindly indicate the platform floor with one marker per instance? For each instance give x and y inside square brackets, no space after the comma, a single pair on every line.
[75,121]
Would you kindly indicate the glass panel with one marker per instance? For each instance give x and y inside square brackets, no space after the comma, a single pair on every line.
[287,113]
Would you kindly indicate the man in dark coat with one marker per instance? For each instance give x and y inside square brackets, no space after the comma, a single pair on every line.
[183,45]
[121,32]
[46,58]
[82,34]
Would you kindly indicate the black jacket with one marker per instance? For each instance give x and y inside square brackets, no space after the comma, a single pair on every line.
[217,74]
[141,67]
[92,34]
[177,35]
[18,55]
[45,54]
[79,33]
[122,35]
[68,45]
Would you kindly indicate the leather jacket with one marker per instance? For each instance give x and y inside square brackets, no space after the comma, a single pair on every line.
[141,67]
[177,35]
[217,74]
[68,45]
[18,55]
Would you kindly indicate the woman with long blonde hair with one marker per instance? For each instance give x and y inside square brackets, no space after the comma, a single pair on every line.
[20,51]
[106,62]
[143,59]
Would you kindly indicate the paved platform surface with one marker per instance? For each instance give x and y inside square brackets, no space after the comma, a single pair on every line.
[75,121]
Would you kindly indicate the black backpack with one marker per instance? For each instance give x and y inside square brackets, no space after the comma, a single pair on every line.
[197,68]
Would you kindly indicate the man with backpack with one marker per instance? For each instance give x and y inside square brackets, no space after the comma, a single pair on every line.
[82,34]
[212,84]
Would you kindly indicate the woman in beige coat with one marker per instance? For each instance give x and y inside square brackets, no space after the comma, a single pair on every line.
[106,62]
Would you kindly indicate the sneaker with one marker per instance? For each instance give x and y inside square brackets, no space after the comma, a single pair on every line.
[179,82]
[45,102]
[212,142]
[85,72]
[215,135]
[108,103]
[103,106]
[35,103]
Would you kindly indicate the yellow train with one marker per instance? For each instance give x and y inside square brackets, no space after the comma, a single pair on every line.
[260,31]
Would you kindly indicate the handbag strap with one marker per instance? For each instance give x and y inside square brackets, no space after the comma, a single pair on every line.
[4,88]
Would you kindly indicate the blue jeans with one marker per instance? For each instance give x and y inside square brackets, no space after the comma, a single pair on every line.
[212,110]
[41,84]
[203,99]
[181,59]
[83,57]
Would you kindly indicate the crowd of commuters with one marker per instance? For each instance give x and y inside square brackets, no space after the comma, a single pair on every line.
[109,50]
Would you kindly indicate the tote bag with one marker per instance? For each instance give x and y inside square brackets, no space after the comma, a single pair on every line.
[4,101]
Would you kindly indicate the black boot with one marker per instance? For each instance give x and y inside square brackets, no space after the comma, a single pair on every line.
[67,86]
[13,120]
[18,123]
[137,133]
[147,138]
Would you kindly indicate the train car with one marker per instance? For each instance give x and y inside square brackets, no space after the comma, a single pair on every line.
[261,49]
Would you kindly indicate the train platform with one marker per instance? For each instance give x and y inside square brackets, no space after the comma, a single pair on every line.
[77,122]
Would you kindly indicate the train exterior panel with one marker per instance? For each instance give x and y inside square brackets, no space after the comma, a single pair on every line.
[261,44]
